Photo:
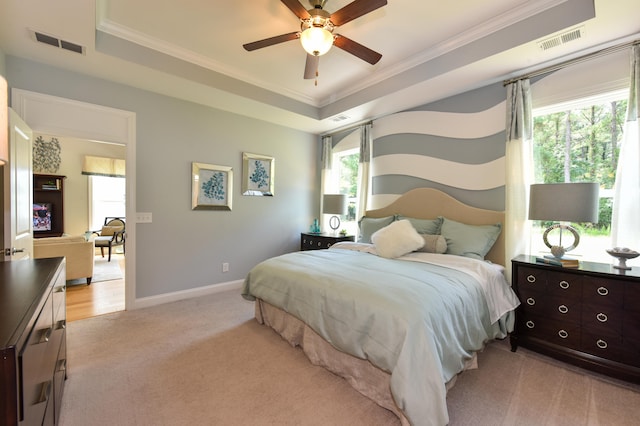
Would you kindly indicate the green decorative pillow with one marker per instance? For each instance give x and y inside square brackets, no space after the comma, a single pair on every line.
[424,226]
[369,225]
[473,241]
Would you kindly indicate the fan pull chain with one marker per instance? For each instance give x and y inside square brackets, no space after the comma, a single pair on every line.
[316,83]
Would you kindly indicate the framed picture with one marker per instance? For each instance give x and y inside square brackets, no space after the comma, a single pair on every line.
[211,187]
[257,174]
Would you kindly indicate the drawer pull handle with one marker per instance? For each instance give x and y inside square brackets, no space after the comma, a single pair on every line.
[564,285]
[531,301]
[531,278]
[563,334]
[602,317]
[44,393]
[603,291]
[563,309]
[530,324]
[62,365]
[46,335]
[61,289]
[602,344]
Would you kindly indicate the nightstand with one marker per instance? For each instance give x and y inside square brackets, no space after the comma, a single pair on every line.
[587,316]
[321,241]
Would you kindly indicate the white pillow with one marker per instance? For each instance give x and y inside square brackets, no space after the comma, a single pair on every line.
[397,239]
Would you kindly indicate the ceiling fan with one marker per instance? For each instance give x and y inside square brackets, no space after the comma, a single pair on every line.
[316,32]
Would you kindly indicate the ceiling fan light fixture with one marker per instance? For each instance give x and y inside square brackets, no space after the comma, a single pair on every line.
[316,37]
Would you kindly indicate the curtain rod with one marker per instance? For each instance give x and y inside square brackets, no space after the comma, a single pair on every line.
[347,128]
[574,61]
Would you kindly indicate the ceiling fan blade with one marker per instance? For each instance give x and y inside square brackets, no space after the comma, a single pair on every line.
[357,49]
[355,10]
[296,8]
[271,41]
[311,67]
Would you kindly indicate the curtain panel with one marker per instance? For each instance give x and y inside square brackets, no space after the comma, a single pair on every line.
[625,229]
[519,171]
[325,173]
[364,171]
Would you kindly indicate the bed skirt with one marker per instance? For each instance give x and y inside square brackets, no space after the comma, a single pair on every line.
[363,376]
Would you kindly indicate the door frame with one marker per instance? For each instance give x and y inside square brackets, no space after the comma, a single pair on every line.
[69,118]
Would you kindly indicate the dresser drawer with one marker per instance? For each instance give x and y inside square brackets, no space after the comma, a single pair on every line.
[632,297]
[599,291]
[565,285]
[37,359]
[603,318]
[531,280]
[603,345]
[558,332]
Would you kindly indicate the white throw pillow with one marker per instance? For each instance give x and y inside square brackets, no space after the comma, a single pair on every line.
[397,239]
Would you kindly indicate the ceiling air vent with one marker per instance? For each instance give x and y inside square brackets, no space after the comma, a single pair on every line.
[56,42]
[561,39]
[339,118]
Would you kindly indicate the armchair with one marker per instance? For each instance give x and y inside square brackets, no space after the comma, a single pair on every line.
[111,235]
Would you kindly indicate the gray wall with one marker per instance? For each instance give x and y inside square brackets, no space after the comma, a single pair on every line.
[184,249]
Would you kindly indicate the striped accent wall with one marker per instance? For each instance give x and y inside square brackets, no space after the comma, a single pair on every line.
[456,145]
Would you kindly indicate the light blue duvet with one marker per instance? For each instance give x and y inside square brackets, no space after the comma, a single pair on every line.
[413,317]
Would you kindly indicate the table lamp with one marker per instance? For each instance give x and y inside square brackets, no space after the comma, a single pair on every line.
[335,204]
[563,202]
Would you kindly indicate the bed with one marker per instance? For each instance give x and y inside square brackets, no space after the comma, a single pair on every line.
[398,323]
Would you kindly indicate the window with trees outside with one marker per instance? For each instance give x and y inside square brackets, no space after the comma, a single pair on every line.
[345,181]
[580,141]
[107,198]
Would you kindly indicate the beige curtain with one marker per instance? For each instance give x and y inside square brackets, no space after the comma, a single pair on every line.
[103,166]
[364,171]
[625,228]
[519,171]
[325,173]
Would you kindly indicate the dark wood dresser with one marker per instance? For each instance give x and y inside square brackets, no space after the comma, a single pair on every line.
[588,316]
[33,341]
[321,241]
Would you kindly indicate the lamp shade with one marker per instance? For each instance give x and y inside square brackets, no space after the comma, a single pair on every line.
[564,202]
[4,121]
[316,40]
[335,204]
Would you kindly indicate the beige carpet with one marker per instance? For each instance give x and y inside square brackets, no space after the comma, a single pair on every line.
[205,361]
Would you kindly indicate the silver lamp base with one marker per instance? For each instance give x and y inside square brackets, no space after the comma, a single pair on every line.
[559,251]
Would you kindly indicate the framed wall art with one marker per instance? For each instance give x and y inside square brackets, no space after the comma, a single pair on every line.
[257,174]
[211,187]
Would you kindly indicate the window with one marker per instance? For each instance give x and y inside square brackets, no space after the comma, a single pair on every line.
[343,178]
[106,199]
[579,141]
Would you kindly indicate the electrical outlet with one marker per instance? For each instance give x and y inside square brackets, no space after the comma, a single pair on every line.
[225,267]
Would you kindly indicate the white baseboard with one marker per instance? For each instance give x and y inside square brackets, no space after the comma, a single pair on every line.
[146,302]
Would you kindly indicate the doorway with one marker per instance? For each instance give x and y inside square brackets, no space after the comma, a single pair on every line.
[64,117]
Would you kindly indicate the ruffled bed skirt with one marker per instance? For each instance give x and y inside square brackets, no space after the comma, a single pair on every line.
[363,376]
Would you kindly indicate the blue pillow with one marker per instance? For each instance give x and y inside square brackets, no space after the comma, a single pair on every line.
[473,241]
[424,226]
[369,225]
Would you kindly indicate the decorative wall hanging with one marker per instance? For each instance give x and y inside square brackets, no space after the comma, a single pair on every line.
[211,187]
[257,174]
[46,155]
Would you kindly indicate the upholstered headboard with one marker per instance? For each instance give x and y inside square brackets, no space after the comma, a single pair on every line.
[429,203]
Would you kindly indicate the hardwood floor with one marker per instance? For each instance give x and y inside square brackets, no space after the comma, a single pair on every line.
[103,297]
